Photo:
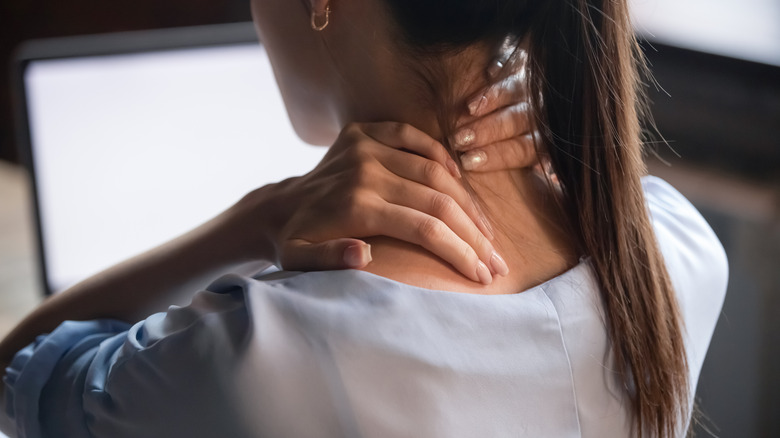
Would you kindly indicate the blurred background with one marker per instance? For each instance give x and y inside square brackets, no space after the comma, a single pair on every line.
[716,102]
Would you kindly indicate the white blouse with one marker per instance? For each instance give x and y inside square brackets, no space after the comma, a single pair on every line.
[352,354]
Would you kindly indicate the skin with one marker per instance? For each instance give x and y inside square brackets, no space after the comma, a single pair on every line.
[314,222]
[346,73]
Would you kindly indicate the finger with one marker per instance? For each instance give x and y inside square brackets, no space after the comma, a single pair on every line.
[430,174]
[506,51]
[517,153]
[416,227]
[504,124]
[302,255]
[447,210]
[508,91]
[404,136]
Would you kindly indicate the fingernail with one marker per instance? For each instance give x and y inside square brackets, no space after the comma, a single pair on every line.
[464,137]
[476,105]
[357,256]
[473,159]
[483,273]
[495,69]
[499,265]
[452,166]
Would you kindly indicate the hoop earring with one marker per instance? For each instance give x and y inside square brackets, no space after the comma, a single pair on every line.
[322,26]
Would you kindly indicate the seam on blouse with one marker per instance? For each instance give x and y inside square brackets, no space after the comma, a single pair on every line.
[568,360]
[118,366]
[113,369]
[96,350]
[197,322]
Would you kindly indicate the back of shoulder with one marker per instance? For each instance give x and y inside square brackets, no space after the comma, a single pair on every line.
[694,257]
[691,249]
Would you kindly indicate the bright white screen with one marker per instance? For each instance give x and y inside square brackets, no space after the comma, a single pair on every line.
[133,150]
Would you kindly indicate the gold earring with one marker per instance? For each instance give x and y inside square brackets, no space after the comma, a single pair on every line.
[322,26]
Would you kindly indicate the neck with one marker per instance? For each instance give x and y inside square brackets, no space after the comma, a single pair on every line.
[389,87]
[527,233]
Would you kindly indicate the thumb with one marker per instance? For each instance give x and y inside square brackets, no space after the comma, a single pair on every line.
[301,255]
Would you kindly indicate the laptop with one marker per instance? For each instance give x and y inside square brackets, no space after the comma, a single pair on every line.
[132,139]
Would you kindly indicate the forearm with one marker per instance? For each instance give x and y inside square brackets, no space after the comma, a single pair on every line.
[150,282]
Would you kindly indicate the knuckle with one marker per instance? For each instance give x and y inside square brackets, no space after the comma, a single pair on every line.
[350,134]
[520,119]
[350,204]
[352,128]
[361,203]
[362,175]
[350,140]
[360,154]
[334,220]
[432,172]
[358,210]
[438,149]
[434,149]
[431,230]
[494,93]
[442,205]
[402,129]
[392,128]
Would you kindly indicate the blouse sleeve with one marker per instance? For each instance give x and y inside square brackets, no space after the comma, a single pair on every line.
[105,378]
[59,354]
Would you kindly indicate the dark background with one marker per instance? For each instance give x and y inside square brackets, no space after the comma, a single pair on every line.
[720,116]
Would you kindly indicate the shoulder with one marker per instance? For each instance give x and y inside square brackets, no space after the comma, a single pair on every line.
[342,289]
[694,255]
[695,260]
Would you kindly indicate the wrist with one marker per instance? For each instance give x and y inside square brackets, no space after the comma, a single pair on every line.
[256,221]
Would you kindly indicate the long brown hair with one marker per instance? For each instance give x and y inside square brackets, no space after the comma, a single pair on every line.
[584,66]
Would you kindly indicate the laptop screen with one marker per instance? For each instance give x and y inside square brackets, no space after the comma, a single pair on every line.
[130,150]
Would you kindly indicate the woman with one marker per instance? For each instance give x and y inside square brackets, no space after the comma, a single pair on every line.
[577,313]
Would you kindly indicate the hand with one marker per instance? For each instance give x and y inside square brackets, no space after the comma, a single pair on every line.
[502,140]
[377,179]
[496,133]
